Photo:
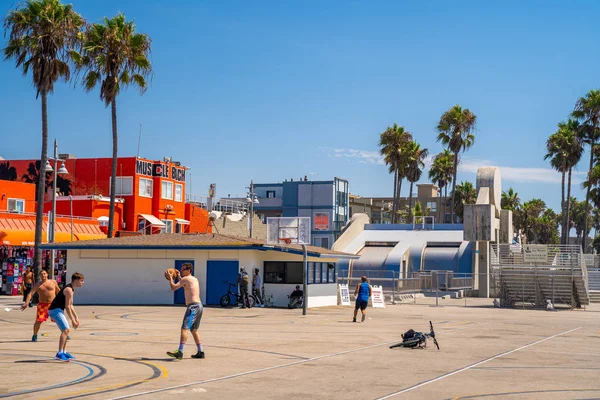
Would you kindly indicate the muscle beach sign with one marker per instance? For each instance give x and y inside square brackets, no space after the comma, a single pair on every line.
[148,168]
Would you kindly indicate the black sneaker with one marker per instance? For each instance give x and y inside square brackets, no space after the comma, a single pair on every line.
[175,354]
[354,319]
[199,354]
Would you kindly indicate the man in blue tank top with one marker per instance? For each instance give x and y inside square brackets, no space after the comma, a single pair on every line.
[362,294]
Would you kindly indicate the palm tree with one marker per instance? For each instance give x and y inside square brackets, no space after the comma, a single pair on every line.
[441,173]
[587,111]
[40,35]
[465,194]
[456,129]
[564,149]
[392,143]
[510,200]
[415,156]
[115,56]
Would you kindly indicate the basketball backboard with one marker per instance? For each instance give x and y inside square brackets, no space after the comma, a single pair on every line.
[288,230]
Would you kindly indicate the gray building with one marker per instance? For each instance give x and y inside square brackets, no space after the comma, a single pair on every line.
[325,202]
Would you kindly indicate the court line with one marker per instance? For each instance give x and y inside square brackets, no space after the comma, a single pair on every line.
[473,365]
[476,396]
[260,370]
[56,386]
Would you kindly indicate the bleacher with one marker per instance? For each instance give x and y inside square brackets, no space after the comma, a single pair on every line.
[531,275]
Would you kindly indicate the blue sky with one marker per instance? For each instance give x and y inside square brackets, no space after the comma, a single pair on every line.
[269,90]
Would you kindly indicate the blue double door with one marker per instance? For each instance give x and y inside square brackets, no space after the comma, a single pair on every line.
[218,271]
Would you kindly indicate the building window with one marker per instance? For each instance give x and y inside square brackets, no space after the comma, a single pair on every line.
[317,272]
[178,192]
[168,228]
[167,190]
[283,272]
[123,185]
[432,205]
[145,187]
[311,273]
[270,194]
[331,272]
[321,242]
[16,206]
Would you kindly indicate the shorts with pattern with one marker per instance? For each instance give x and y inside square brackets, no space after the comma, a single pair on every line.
[192,317]
[42,312]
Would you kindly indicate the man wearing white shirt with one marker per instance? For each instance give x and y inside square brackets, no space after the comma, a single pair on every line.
[256,285]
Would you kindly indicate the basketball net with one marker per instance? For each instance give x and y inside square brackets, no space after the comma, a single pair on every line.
[286,240]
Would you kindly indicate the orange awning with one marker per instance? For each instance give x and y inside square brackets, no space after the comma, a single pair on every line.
[89,236]
[22,237]
[19,237]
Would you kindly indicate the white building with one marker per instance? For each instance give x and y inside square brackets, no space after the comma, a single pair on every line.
[130,270]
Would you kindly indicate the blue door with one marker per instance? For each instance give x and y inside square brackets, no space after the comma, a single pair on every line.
[216,273]
[179,296]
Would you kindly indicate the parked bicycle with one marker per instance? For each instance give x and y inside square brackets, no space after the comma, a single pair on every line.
[226,298]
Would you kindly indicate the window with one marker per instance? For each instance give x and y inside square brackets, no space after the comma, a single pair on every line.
[123,185]
[321,242]
[324,272]
[331,272]
[432,205]
[270,194]
[178,192]
[311,272]
[145,187]
[283,272]
[317,272]
[16,205]
[168,226]
[167,190]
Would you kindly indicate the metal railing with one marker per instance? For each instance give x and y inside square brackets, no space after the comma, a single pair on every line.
[569,256]
[28,214]
[222,205]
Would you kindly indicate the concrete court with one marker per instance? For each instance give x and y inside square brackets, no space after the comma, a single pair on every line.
[279,354]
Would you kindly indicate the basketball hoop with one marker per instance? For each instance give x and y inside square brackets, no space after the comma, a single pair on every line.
[286,240]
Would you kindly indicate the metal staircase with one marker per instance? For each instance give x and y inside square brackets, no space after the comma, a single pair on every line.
[531,275]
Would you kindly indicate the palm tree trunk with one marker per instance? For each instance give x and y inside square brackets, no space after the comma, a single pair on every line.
[562,207]
[113,183]
[410,203]
[394,205]
[400,179]
[40,191]
[568,209]
[454,187]
[587,197]
[445,200]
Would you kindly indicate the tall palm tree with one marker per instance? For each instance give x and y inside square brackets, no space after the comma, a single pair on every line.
[415,156]
[456,127]
[465,194]
[510,200]
[114,56]
[587,111]
[40,35]
[392,144]
[441,173]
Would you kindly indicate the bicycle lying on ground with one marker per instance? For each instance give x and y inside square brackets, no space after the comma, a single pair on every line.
[414,339]
[226,298]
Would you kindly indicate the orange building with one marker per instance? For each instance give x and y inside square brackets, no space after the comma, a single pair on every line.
[150,194]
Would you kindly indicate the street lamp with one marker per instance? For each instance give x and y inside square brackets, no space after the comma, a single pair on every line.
[252,200]
[52,224]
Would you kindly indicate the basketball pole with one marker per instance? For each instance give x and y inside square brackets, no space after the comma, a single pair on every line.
[304,275]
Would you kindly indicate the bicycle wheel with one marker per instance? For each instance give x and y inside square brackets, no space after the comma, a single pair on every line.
[251,300]
[225,300]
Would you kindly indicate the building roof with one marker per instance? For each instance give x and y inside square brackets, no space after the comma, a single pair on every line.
[201,241]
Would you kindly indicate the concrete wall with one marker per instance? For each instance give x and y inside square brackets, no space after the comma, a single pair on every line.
[137,276]
[480,223]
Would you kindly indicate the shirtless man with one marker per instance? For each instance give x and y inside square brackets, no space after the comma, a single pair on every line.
[47,290]
[193,314]
[27,283]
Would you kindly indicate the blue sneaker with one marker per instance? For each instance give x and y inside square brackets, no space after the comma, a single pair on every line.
[69,356]
[61,357]
[34,338]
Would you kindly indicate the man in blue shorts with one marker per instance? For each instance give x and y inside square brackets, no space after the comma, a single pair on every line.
[362,294]
[63,302]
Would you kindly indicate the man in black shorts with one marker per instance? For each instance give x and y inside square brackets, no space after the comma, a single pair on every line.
[193,313]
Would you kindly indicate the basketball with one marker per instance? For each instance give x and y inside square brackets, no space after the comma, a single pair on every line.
[173,272]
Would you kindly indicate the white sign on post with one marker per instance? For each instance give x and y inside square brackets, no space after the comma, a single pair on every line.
[345,295]
[535,253]
[377,300]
